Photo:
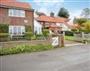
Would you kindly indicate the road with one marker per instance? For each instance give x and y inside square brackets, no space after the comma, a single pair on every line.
[75,58]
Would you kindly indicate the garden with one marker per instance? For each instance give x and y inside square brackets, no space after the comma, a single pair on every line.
[28,35]
[26,46]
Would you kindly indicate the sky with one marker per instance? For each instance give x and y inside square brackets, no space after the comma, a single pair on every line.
[73,6]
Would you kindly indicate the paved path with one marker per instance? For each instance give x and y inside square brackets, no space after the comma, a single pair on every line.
[72,43]
[76,58]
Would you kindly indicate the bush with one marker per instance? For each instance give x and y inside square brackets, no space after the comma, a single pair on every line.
[33,37]
[24,49]
[45,32]
[69,33]
[28,29]
[4,28]
[28,35]
[39,36]
[4,36]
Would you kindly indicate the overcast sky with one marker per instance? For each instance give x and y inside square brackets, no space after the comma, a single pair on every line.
[73,6]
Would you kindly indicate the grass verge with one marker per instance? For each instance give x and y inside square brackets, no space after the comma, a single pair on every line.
[24,49]
[69,38]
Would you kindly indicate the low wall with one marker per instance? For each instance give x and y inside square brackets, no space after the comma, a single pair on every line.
[15,43]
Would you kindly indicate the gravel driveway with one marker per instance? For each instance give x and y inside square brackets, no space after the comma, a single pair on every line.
[75,58]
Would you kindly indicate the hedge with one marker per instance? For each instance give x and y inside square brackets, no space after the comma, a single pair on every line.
[4,37]
[45,32]
[4,28]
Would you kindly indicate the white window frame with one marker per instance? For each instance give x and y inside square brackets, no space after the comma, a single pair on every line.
[16,13]
[16,30]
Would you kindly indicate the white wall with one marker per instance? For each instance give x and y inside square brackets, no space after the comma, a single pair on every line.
[37,27]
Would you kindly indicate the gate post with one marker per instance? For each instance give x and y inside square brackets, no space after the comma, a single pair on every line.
[61,40]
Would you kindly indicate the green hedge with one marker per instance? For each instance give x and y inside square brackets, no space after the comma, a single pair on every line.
[24,49]
[4,28]
[4,37]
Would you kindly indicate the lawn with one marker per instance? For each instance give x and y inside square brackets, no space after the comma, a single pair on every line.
[69,38]
[72,38]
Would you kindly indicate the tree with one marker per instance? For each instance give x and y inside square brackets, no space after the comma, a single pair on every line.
[63,13]
[39,13]
[86,27]
[80,21]
[85,13]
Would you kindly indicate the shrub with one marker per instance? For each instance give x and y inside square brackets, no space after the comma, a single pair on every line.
[45,32]
[33,37]
[39,36]
[4,36]
[28,35]
[4,28]
[24,49]
[28,29]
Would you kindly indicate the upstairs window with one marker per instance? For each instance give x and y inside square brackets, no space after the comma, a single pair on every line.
[16,13]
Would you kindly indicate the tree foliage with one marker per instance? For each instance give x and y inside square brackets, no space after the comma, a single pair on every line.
[63,13]
[79,21]
[83,23]
[86,26]
[86,13]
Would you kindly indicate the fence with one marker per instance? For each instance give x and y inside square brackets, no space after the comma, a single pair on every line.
[82,36]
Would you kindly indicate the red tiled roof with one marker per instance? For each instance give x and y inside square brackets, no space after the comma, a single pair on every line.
[51,19]
[14,3]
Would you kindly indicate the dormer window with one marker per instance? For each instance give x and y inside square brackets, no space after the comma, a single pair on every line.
[16,13]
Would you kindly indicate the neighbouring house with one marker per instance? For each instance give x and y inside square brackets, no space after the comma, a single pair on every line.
[53,23]
[37,27]
[17,15]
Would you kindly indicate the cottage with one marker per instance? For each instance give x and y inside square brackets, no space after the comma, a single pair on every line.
[53,23]
[17,15]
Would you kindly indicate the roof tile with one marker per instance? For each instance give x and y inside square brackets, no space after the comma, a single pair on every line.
[51,19]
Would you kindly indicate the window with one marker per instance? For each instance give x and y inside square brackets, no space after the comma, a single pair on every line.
[16,13]
[16,30]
